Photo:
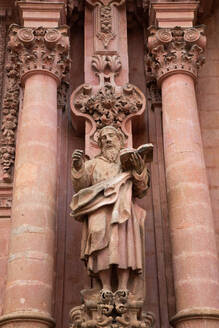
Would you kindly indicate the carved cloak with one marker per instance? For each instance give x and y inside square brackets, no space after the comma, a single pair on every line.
[112,222]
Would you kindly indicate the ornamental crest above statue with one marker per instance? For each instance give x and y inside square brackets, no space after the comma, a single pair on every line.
[106,103]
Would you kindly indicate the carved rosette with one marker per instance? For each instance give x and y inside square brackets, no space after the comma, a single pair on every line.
[41,48]
[174,50]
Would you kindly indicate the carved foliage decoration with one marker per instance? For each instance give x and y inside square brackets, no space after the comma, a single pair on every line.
[40,49]
[10,107]
[2,52]
[108,107]
[110,310]
[108,104]
[176,49]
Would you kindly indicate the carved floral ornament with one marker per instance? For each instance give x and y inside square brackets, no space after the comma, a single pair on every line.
[175,49]
[40,49]
[107,104]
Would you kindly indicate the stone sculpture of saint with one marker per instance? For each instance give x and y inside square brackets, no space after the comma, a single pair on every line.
[112,237]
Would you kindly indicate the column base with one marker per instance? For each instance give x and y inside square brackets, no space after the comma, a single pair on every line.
[196,317]
[23,320]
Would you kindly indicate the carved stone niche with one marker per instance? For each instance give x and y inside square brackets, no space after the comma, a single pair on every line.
[106,103]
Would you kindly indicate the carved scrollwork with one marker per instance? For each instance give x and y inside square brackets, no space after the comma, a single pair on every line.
[52,37]
[110,310]
[191,35]
[164,35]
[176,49]
[26,35]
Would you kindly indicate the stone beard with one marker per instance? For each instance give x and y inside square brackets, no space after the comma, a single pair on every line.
[110,154]
[113,223]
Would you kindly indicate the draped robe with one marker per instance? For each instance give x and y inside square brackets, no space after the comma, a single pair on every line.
[112,221]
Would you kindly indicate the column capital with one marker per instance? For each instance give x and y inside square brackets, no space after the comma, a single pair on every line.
[39,50]
[175,50]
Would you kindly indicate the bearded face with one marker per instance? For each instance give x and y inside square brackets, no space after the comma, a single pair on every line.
[110,144]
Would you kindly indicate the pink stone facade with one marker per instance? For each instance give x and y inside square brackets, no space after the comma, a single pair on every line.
[41,274]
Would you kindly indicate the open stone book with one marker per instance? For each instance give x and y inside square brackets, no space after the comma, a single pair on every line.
[145,151]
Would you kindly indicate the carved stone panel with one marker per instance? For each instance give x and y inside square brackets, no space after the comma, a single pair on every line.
[106,25]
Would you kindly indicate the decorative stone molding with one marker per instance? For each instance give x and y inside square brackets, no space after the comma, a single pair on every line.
[40,49]
[176,50]
[49,14]
[168,14]
[5,200]
[195,314]
[110,310]
[107,104]
[18,317]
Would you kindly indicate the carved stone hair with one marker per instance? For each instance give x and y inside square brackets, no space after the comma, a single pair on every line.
[119,133]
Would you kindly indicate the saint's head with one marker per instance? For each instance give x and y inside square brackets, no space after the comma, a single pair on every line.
[110,141]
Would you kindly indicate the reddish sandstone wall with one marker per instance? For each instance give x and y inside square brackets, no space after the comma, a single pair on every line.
[208,102]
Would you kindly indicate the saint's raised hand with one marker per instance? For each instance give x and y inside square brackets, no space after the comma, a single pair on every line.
[137,163]
[77,159]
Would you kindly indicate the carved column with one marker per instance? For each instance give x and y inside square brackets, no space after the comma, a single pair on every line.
[41,54]
[175,56]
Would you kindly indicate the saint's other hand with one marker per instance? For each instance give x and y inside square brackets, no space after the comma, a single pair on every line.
[77,159]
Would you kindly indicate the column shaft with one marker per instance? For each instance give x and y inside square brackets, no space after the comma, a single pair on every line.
[192,231]
[175,56]
[30,270]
